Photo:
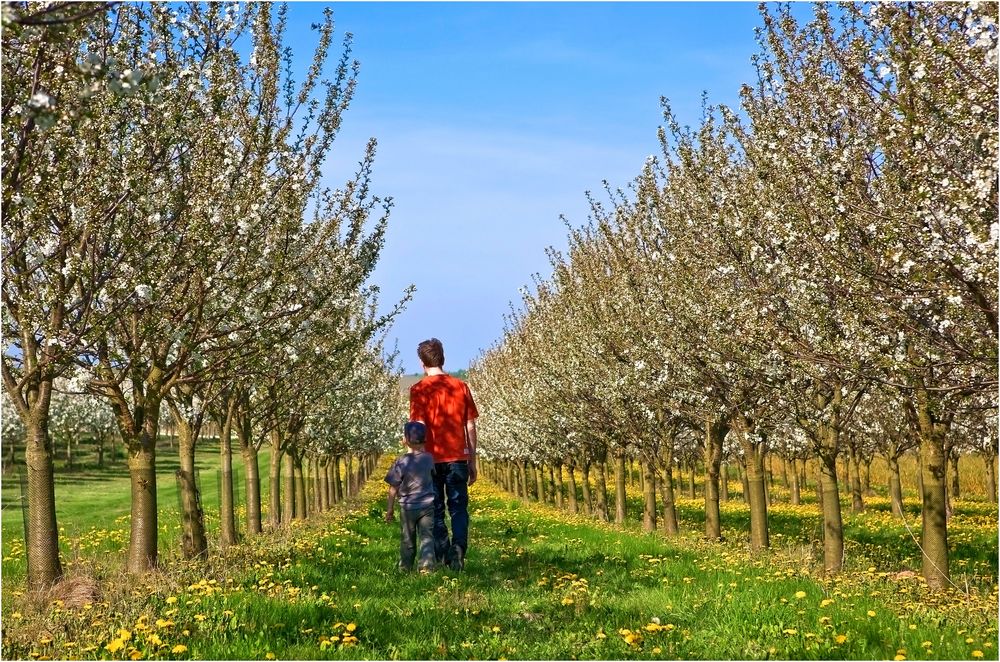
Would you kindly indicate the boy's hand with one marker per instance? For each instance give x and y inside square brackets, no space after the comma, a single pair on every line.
[389,516]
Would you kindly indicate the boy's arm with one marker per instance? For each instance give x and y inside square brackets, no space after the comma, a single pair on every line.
[390,503]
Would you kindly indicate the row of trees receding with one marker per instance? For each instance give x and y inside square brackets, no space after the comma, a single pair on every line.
[813,274]
[168,244]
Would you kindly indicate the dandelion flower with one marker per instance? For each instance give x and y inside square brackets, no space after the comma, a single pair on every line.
[178,649]
[871,614]
[351,627]
[115,645]
[977,653]
[898,658]
[840,638]
[800,594]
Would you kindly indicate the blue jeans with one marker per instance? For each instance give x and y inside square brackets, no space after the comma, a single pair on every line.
[415,532]
[451,487]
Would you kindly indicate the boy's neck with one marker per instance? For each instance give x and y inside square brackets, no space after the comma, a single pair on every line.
[430,372]
[415,449]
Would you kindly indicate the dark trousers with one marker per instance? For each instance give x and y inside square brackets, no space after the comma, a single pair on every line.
[417,528]
[451,488]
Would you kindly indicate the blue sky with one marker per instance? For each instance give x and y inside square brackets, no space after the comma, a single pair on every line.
[495,118]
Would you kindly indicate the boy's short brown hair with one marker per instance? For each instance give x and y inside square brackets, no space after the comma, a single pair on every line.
[431,353]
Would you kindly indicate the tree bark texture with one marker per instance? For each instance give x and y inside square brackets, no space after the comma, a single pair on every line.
[620,508]
[42,536]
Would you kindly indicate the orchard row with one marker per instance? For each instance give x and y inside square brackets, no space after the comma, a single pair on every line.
[812,275]
[169,248]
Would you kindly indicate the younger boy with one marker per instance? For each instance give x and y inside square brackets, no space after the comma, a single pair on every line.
[411,479]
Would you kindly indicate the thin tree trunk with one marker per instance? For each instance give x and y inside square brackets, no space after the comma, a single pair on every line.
[251,470]
[857,502]
[301,503]
[275,508]
[744,482]
[715,434]
[227,509]
[956,491]
[833,525]
[934,530]
[724,482]
[620,507]
[288,506]
[540,483]
[602,491]
[866,477]
[559,486]
[895,486]
[42,544]
[588,501]
[796,494]
[194,543]
[803,477]
[759,538]
[338,481]
[573,506]
[669,504]
[323,467]
[692,465]
[349,475]
[649,494]
[991,477]
[784,473]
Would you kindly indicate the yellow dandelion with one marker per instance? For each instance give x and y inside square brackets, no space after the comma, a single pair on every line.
[351,627]
[840,638]
[178,649]
[926,644]
[825,603]
[652,627]
[115,645]
[601,635]
[495,628]
[899,658]
[969,640]
[871,614]
[657,650]
[790,631]
[171,600]
[567,601]
[800,594]
[135,654]
[154,639]
[199,617]
[124,634]
[977,653]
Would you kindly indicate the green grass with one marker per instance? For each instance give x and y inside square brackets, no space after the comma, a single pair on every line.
[539,584]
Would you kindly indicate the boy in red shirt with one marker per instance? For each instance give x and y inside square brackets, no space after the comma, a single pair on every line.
[444,403]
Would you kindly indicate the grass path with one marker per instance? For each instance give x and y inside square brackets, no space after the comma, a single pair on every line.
[539,584]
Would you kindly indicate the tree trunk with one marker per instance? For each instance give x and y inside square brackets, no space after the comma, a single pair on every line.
[588,503]
[649,494]
[784,473]
[934,530]
[796,490]
[866,477]
[602,491]
[559,486]
[620,509]
[895,486]
[42,543]
[744,482]
[288,506]
[991,477]
[857,502]
[227,507]
[819,486]
[324,484]
[349,475]
[338,481]
[573,506]
[724,482]
[275,508]
[252,473]
[956,492]
[669,505]
[694,468]
[194,544]
[803,477]
[301,504]
[759,538]
[539,483]
[715,435]
[833,524]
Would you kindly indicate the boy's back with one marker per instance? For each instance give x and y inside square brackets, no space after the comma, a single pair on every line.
[412,475]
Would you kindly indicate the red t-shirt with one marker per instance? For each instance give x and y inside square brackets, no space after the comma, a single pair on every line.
[444,403]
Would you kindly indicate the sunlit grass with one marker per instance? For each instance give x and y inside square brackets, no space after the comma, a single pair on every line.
[540,584]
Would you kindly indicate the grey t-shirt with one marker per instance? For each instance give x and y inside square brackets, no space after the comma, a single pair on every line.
[412,474]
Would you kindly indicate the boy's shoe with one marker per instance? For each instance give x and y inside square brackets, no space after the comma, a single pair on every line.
[456,558]
[426,570]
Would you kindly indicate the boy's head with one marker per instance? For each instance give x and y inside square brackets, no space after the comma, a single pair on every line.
[415,433]
[431,353]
